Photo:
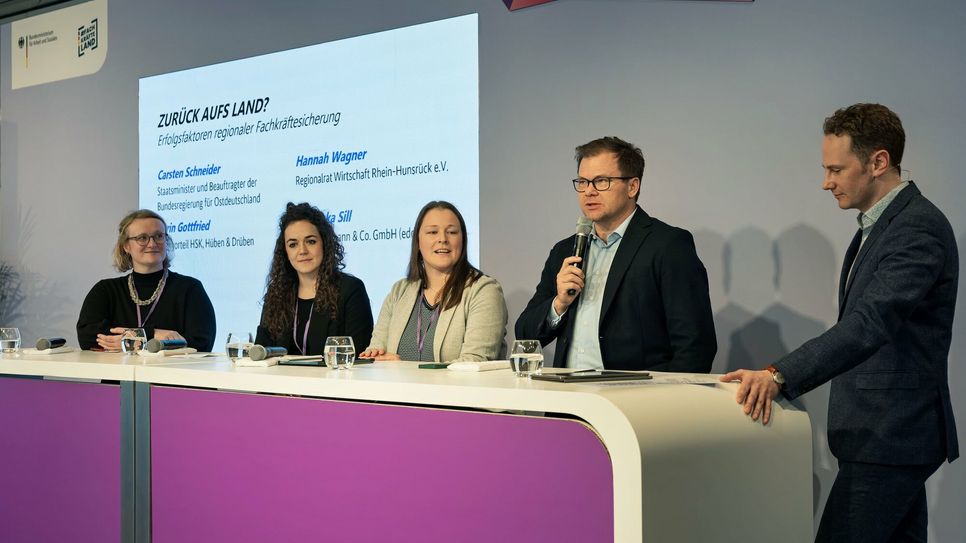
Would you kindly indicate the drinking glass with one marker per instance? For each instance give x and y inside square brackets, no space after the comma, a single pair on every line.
[133,340]
[339,352]
[238,344]
[9,340]
[526,357]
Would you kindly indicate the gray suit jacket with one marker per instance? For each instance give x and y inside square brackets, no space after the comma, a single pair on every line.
[472,330]
[887,355]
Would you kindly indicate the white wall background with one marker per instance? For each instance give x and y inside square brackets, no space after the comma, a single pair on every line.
[726,99]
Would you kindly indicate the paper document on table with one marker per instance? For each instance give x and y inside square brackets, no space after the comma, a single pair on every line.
[55,350]
[249,363]
[485,365]
[167,352]
[671,379]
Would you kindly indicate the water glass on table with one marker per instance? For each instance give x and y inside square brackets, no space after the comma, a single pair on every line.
[339,352]
[133,340]
[238,345]
[526,357]
[9,340]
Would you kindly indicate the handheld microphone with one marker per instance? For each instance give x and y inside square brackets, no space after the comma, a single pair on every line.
[257,352]
[584,228]
[156,345]
[45,343]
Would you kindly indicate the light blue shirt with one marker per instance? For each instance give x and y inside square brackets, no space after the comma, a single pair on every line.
[584,350]
[868,219]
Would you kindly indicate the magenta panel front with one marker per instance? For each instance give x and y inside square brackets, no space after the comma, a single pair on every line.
[60,454]
[248,467]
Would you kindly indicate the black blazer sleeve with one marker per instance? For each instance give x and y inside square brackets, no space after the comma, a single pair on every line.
[357,312]
[95,315]
[199,322]
[687,306]
[532,322]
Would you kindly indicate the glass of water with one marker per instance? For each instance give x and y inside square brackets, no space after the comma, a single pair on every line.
[238,344]
[339,352]
[526,357]
[133,340]
[9,340]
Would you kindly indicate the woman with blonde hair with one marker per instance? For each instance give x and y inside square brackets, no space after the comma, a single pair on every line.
[166,304]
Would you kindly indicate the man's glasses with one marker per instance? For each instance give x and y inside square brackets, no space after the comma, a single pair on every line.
[142,240]
[601,183]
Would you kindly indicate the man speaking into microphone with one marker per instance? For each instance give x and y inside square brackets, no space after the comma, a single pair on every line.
[638,299]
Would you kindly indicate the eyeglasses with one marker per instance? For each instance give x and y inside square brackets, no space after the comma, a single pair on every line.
[142,240]
[600,183]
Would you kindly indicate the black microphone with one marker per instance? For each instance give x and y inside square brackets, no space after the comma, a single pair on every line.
[257,352]
[156,345]
[584,227]
[45,343]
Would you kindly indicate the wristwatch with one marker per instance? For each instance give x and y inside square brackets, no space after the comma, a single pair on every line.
[776,375]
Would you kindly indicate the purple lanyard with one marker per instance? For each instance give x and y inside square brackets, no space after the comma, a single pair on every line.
[420,335]
[305,335]
[155,304]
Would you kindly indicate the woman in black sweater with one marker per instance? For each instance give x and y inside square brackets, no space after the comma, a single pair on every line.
[307,296]
[166,304]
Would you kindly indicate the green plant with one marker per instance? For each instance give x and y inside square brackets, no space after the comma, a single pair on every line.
[11,295]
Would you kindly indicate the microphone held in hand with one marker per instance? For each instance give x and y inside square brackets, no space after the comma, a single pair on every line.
[156,345]
[45,343]
[584,228]
[257,352]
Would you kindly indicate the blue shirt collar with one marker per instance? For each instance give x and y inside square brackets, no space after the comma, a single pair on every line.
[868,219]
[616,235]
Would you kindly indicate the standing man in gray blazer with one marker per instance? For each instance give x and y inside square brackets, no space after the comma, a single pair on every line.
[890,419]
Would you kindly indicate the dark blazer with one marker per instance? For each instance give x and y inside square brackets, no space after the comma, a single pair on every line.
[656,312]
[353,318]
[887,355]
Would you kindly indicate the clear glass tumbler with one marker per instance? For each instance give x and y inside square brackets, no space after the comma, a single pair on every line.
[238,344]
[339,352]
[526,357]
[9,340]
[133,340]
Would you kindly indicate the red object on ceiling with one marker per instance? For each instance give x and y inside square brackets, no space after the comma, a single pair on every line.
[513,5]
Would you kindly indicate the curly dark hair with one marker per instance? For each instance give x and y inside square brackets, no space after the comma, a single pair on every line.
[281,286]
[872,127]
[463,275]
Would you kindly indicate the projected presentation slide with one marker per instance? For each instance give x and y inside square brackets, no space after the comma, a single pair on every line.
[367,129]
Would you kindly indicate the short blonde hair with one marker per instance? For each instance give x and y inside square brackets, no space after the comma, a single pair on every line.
[122,260]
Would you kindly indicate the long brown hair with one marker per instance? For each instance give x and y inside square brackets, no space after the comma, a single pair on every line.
[281,286]
[463,275]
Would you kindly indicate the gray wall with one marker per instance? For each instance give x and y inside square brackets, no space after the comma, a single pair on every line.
[726,99]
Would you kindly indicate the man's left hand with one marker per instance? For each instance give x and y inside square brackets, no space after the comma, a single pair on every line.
[756,392]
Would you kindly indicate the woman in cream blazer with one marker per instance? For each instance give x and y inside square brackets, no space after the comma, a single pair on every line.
[443,296]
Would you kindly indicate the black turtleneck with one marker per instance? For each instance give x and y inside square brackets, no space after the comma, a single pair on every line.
[183,307]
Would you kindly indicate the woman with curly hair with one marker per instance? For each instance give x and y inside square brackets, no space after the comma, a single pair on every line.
[445,309]
[307,295]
